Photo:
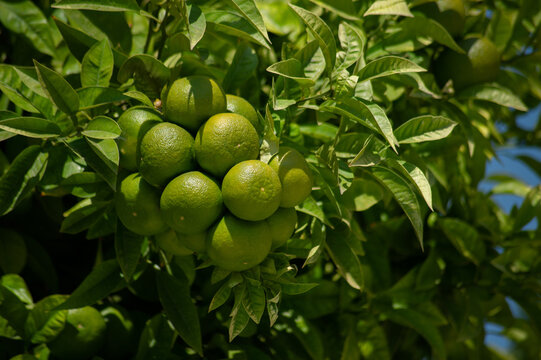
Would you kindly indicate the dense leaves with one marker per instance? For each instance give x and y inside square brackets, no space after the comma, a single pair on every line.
[399,251]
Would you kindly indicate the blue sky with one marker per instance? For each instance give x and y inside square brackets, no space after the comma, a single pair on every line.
[506,163]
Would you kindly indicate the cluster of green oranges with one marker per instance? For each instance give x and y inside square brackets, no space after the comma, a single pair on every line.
[197,184]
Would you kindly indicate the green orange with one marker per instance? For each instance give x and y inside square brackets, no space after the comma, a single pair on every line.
[480,63]
[171,244]
[191,100]
[82,336]
[191,202]
[138,206]
[238,105]
[252,190]
[166,151]
[194,242]
[282,225]
[451,14]
[238,245]
[134,122]
[225,140]
[295,176]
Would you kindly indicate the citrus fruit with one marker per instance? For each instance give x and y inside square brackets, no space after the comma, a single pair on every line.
[238,245]
[282,225]
[120,333]
[191,202]
[170,243]
[238,105]
[252,190]
[82,336]
[138,206]
[451,14]
[191,100]
[295,176]
[225,140]
[12,251]
[481,63]
[194,242]
[166,151]
[134,122]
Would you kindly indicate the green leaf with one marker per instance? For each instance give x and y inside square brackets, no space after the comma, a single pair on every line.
[239,316]
[343,8]
[360,110]
[105,168]
[31,127]
[291,69]
[307,334]
[94,96]
[312,60]
[345,259]
[424,128]
[16,285]
[79,42]
[128,250]
[249,11]
[149,73]
[495,94]
[362,194]
[321,32]
[423,325]
[196,24]
[387,65]
[500,29]
[254,299]
[22,175]
[101,5]
[102,127]
[233,24]
[82,216]
[24,17]
[43,323]
[58,89]
[425,27]
[139,96]
[104,279]
[175,298]
[107,151]
[312,208]
[318,233]
[17,98]
[97,65]
[417,177]
[389,7]
[157,339]
[242,67]
[404,195]
[221,296]
[465,238]
[352,40]
[290,287]
[84,184]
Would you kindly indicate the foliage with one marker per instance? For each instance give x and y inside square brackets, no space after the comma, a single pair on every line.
[397,252]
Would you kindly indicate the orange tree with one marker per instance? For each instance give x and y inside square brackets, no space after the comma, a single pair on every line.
[388,109]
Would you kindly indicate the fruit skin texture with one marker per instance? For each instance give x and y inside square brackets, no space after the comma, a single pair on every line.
[82,336]
[170,243]
[138,206]
[481,63]
[191,202]
[451,14]
[194,242]
[166,151]
[295,176]
[238,245]
[12,251]
[134,122]
[191,100]
[223,141]
[252,190]
[238,105]
[282,225]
